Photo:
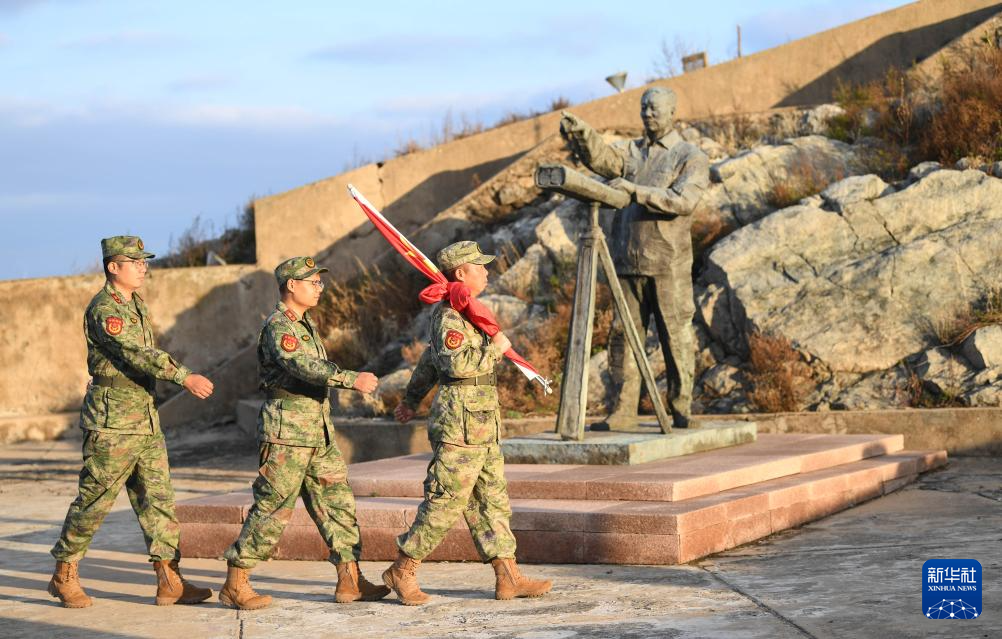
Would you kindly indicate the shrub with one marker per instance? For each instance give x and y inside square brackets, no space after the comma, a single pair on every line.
[954,329]
[804,179]
[235,245]
[779,378]
[968,120]
[919,396]
[912,119]
[545,347]
[358,317]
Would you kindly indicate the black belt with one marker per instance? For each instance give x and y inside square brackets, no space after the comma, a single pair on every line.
[284,393]
[489,379]
[118,381]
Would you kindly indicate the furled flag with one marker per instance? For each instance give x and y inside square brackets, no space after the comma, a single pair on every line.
[457,293]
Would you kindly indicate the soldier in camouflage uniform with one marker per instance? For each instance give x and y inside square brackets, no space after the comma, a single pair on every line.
[651,245]
[466,473]
[298,454]
[123,443]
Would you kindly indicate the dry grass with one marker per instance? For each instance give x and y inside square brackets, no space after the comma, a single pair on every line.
[969,120]
[734,132]
[360,316]
[919,396]
[954,329]
[545,348]
[779,378]
[914,120]
[235,245]
[804,179]
[707,229]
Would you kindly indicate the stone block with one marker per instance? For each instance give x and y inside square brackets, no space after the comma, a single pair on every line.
[621,448]
[983,347]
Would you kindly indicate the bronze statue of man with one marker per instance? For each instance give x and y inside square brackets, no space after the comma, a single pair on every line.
[651,244]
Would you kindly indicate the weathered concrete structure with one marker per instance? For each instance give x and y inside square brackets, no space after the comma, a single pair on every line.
[203,316]
[42,375]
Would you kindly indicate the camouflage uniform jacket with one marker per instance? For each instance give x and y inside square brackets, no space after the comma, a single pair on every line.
[121,350]
[671,175]
[460,415]
[292,360]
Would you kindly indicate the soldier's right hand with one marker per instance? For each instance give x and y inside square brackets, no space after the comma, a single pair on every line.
[366,382]
[501,341]
[198,385]
[403,413]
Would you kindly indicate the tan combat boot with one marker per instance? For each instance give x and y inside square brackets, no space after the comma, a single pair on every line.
[237,591]
[402,578]
[65,584]
[173,588]
[352,586]
[510,583]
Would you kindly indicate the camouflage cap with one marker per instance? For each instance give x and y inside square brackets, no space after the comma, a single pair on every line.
[127,245]
[460,253]
[297,268]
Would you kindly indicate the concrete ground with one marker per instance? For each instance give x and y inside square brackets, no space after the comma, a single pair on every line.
[855,574]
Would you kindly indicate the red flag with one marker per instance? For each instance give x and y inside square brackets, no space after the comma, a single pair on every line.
[457,293]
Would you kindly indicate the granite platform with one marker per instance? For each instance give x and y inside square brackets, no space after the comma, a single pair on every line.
[665,512]
[638,446]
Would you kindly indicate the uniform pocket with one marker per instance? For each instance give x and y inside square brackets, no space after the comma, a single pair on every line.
[480,416]
[128,409]
[304,427]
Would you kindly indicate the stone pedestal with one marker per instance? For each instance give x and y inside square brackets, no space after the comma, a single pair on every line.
[638,446]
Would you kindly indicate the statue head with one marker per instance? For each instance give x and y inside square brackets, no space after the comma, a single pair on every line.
[657,110]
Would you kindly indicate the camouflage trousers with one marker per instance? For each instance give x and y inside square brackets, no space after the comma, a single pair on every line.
[320,476]
[111,460]
[468,480]
[668,298]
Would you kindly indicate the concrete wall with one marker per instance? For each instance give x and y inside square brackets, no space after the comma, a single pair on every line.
[410,190]
[203,316]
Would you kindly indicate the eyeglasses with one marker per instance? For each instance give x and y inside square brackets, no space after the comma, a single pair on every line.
[140,264]
[318,283]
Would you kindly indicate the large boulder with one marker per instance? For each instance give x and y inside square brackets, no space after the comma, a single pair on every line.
[745,188]
[983,347]
[527,277]
[860,288]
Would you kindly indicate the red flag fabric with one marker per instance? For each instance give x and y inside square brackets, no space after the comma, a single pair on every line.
[457,293]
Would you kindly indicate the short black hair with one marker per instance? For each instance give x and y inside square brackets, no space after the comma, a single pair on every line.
[283,288]
[105,262]
[451,274]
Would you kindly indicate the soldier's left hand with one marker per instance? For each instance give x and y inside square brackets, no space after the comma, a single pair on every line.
[624,185]
[366,382]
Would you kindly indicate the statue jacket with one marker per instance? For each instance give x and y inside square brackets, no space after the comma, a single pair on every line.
[652,236]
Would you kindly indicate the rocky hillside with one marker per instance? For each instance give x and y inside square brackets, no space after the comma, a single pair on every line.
[818,285]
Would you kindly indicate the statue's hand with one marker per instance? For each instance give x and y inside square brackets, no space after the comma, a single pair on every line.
[624,185]
[571,126]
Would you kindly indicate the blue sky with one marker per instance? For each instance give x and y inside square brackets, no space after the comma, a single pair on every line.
[136,117]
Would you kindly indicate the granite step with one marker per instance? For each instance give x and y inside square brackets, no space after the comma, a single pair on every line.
[590,530]
[674,479]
